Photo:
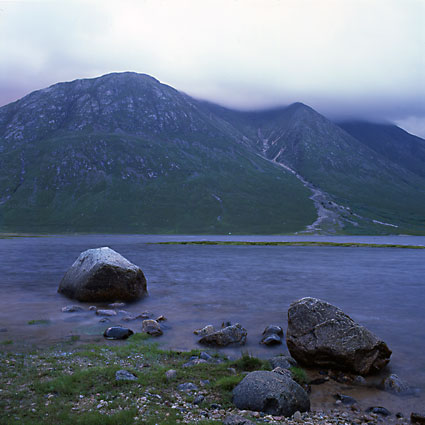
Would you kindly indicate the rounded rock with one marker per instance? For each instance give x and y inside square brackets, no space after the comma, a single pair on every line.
[102,274]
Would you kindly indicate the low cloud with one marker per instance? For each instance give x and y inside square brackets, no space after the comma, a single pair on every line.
[351,58]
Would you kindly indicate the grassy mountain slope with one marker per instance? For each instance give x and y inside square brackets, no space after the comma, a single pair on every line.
[391,142]
[145,160]
[355,174]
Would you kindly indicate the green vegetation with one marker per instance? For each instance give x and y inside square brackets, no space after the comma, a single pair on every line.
[299,375]
[295,243]
[76,384]
[39,322]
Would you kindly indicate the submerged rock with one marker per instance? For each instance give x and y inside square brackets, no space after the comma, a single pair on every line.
[271,393]
[272,335]
[72,309]
[395,385]
[209,329]
[117,332]
[103,275]
[106,312]
[151,327]
[234,334]
[320,334]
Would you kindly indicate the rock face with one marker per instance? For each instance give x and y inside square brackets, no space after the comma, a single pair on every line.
[234,334]
[271,393]
[103,275]
[320,334]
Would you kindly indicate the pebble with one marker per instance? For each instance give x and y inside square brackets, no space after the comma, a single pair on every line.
[171,374]
[72,308]
[199,399]
[297,416]
[125,375]
[116,305]
[187,387]
[106,312]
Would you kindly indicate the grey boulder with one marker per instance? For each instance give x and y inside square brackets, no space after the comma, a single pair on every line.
[234,334]
[321,335]
[271,393]
[102,274]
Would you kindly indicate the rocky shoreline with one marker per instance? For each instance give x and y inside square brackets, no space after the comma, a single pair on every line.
[332,361]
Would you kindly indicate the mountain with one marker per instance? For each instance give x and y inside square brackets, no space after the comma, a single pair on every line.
[391,142]
[125,153]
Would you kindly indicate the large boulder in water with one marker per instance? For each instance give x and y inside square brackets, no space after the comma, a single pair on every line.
[102,274]
[320,334]
[271,393]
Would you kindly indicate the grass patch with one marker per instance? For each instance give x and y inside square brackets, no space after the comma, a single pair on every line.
[294,243]
[7,342]
[227,383]
[39,322]
[77,385]
[299,375]
[248,363]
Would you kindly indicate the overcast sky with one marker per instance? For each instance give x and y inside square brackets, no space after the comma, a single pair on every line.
[345,58]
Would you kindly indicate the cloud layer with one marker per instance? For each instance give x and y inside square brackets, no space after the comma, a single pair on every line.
[345,58]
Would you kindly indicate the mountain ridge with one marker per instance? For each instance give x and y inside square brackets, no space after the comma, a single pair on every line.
[83,145]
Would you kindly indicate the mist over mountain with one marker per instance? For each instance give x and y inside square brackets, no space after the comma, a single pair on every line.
[125,153]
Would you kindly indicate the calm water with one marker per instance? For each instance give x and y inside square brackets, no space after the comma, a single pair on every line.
[383,289]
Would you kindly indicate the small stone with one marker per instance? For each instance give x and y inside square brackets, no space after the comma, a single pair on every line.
[395,385]
[209,329]
[105,320]
[194,362]
[271,340]
[281,371]
[124,375]
[144,315]
[187,387]
[72,309]
[161,318]
[128,318]
[297,416]
[116,305]
[204,382]
[379,410]
[117,332]
[206,356]
[285,362]
[199,399]
[106,312]
[151,327]
[359,380]
[92,308]
[346,399]
[236,420]
[171,374]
